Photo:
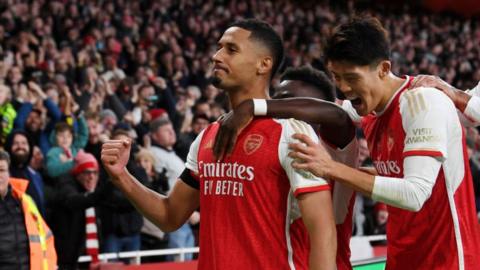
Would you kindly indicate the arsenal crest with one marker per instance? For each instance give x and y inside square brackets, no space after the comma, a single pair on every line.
[252,143]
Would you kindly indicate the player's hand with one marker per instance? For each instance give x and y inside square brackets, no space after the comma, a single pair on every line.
[115,156]
[310,156]
[459,97]
[231,124]
[435,82]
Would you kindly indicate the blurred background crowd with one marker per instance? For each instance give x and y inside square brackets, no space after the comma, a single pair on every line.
[76,73]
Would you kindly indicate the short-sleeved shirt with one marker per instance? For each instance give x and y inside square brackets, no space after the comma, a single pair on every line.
[443,234]
[250,215]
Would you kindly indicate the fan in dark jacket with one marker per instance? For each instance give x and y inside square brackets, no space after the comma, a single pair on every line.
[121,222]
[77,192]
[20,147]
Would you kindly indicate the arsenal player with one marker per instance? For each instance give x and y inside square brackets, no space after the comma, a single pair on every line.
[339,140]
[257,211]
[416,143]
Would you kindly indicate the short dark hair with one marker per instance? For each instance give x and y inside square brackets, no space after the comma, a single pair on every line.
[5,156]
[312,76]
[361,41]
[62,126]
[264,33]
[200,116]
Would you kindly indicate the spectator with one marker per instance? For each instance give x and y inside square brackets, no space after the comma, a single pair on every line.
[152,236]
[23,230]
[78,191]
[163,139]
[96,135]
[7,112]
[20,148]
[199,123]
[60,158]
[30,119]
[121,221]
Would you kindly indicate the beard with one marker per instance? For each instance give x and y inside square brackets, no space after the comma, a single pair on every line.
[20,159]
[216,81]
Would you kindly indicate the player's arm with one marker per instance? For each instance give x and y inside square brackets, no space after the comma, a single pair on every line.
[314,199]
[317,214]
[423,157]
[336,127]
[167,212]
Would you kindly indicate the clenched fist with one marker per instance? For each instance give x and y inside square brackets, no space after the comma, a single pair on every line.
[115,156]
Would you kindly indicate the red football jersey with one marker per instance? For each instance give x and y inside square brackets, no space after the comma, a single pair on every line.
[443,234]
[250,216]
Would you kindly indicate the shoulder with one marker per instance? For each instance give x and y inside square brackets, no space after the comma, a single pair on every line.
[55,150]
[295,126]
[424,97]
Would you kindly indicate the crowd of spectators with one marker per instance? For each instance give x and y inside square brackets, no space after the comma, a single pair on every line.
[76,73]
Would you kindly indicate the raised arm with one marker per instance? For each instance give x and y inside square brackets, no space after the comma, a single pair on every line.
[336,127]
[167,212]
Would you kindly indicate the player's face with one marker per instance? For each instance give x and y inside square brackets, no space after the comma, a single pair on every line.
[294,88]
[360,84]
[235,60]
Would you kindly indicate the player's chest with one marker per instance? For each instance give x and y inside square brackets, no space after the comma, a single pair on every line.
[252,170]
[385,136]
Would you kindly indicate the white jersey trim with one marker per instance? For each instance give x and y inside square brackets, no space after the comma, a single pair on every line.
[354,116]
[192,157]
[287,231]
[456,226]
[397,92]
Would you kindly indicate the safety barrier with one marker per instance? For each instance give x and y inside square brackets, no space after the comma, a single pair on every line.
[137,255]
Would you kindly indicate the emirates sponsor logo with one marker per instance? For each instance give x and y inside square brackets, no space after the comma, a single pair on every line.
[226,170]
[388,167]
[252,143]
[225,179]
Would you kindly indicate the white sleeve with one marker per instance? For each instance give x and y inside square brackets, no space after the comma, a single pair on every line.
[301,181]
[347,106]
[426,124]
[474,91]
[192,163]
[411,192]
[472,111]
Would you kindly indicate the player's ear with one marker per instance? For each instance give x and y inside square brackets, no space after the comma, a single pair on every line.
[384,68]
[265,65]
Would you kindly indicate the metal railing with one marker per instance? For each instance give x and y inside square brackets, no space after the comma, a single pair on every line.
[137,255]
